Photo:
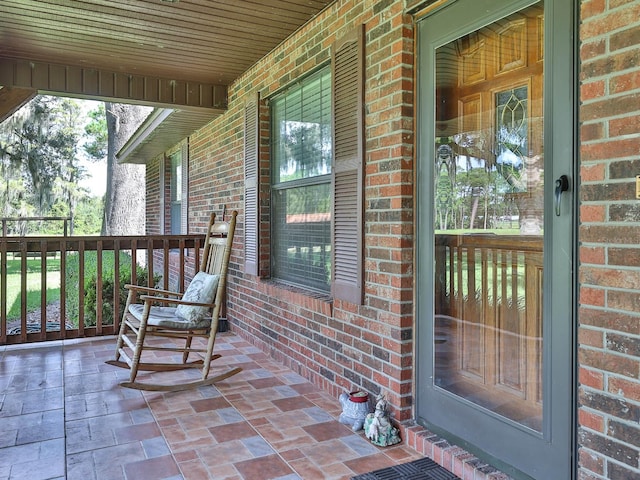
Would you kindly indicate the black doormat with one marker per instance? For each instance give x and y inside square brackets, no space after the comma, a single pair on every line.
[423,469]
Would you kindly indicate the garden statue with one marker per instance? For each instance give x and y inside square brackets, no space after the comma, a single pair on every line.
[355,407]
[378,427]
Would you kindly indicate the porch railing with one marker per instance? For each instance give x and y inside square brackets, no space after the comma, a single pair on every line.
[173,260]
[67,223]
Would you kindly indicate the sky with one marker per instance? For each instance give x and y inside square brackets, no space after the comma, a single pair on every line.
[96,180]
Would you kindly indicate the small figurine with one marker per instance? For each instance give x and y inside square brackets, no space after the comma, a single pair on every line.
[355,407]
[378,427]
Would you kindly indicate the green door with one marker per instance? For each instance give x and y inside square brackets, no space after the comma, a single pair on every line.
[496,229]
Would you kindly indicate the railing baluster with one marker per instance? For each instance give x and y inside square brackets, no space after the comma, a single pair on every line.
[43,290]
[166,273]
[81,265]
[99,288]
[116,285]
[23,290]
[134,254]
[63,288]
[181,275]
[459,283]
[196,250]
[150,282]
[3,289]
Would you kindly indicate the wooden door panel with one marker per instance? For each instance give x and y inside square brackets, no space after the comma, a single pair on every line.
[490,332]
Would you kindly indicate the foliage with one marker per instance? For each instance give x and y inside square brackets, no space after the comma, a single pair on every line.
[90,285]
[96,131]
[38,147]
[88,218]
[40,163]
[86,221]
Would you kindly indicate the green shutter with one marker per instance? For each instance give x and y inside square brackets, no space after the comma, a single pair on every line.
[251,176]
[348,164]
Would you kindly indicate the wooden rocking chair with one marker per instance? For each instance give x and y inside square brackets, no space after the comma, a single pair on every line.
[180,316]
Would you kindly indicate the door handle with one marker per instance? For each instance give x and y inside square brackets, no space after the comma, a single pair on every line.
[562,185]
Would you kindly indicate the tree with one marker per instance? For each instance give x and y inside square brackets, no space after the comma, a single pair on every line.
[39,157]
[124,212]
[96,131]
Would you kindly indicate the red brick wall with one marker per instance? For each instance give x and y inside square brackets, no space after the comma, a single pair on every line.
[156,225]
[341,345]
[609,234]
[338,345]
[153,203]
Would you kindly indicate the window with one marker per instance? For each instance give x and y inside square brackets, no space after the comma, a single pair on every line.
[178,191]
[317,172]
[301,139]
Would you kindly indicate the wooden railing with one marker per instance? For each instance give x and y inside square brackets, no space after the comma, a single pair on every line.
[67,223]
[172,263]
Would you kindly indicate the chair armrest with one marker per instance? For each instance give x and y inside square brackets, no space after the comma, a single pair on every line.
[178,301]
[153,290]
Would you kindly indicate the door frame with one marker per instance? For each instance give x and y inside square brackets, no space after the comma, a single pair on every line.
[560,46]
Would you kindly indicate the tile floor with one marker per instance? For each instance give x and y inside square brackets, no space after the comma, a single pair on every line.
[63,415]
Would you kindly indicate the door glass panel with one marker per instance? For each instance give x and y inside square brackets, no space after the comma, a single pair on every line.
[489,217]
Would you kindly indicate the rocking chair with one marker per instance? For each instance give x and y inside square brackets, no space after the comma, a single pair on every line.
[152,312]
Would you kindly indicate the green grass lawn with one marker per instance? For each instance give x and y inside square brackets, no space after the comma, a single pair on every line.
[33,284]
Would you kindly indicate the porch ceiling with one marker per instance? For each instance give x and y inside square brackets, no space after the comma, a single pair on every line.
[176,54]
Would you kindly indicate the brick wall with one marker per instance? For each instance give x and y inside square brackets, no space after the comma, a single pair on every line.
[160,224]
[340,345]
[153,203]
[609,234]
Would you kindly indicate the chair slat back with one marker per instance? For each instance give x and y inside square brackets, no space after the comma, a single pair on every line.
[217,247]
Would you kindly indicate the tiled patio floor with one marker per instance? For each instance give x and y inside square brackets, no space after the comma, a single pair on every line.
[63,415]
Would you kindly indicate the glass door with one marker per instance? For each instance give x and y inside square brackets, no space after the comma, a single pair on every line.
[493,337]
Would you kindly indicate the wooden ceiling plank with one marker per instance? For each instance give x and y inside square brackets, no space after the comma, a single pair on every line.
[299,12]
[63,42]
[262,10]
[301,9]
[119,23]
[66,42]
[93,27]
[62,39]
[193,41]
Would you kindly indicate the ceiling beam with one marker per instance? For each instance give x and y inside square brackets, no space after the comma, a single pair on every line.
[118,87]
[12,98]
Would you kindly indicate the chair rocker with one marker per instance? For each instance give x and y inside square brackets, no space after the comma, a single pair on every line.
[151,313]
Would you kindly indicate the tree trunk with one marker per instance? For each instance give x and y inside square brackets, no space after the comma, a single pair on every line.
[124,210]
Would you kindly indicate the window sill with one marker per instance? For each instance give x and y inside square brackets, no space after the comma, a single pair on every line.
[312,299]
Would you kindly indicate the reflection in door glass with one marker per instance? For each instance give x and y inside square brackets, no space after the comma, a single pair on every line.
[489,217]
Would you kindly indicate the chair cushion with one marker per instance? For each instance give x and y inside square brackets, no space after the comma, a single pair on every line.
[165,317]
[202,289]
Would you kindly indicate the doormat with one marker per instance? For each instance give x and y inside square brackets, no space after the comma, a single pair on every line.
[423,469]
